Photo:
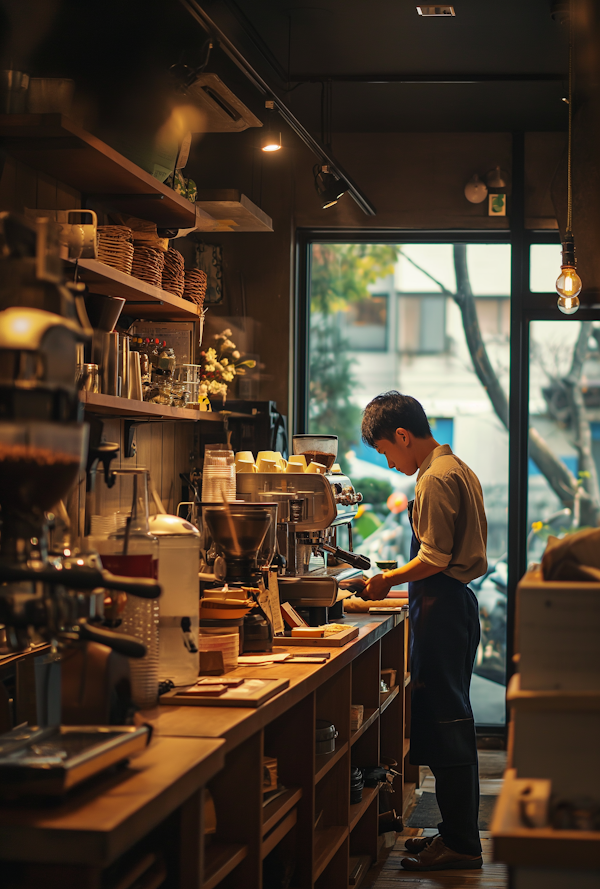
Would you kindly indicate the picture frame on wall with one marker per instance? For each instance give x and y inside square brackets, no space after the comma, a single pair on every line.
[209,258]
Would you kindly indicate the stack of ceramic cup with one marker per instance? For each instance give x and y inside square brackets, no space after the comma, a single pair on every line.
[227,643]
[272,461]
[218,475]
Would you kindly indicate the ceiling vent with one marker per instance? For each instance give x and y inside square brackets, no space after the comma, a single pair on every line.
[436,10]
[224,112]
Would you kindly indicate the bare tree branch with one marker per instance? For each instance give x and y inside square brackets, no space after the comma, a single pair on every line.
[561,480]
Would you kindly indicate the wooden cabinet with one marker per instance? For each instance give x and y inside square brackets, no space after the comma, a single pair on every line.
[311,831]
[144,825]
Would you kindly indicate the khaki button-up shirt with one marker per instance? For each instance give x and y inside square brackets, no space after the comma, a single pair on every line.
[449,517]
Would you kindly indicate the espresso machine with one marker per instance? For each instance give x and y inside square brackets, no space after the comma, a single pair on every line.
[312,507]
[46,597]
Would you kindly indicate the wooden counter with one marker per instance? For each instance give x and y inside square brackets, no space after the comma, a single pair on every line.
[236,724]
[151,814]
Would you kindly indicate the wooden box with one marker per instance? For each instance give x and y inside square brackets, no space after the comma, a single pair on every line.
[558,634]
[556,735]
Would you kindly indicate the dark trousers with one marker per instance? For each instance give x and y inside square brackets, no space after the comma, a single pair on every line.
[457,792]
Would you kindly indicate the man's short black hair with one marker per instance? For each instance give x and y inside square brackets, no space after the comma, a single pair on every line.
[392,411]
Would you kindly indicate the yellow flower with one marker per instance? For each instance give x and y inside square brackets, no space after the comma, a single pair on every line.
[537,527]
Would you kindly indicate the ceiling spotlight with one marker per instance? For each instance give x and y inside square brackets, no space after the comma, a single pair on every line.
[329,187]
[271,138]
[435,10]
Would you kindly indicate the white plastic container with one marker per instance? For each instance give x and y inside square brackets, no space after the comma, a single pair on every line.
[178,561]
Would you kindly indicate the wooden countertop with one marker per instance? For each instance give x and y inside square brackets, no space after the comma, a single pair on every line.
[107,816]
[236,724]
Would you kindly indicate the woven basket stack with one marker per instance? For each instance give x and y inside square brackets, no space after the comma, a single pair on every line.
[173,277]
[115,247]
[148,265]
[195,286]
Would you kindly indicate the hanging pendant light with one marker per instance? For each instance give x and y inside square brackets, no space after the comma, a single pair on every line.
[271,138]
[568,283]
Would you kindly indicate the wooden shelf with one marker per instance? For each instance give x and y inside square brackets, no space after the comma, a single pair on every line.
[327,842]
[364,863]
[370,717]
[521,846]
[55,145]
[274,811]
[220,860]
[358,809]
[278,833]
[387,697]
[405,747]
[143,300]
[114,406]
[326,761]
[406,680]
[232,210]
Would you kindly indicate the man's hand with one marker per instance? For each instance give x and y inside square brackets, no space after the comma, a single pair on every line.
[377,587]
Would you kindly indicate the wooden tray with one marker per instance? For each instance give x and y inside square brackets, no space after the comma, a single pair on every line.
[337,641]
[234,697]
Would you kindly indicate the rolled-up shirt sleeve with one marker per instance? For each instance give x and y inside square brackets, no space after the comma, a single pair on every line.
[437,501]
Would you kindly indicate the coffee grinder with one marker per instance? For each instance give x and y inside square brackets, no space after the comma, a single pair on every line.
[242,535]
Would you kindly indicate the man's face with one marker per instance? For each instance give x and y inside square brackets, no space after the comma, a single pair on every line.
[399,453]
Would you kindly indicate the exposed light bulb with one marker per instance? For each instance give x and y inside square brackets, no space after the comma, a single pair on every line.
[568,283]
[568,305]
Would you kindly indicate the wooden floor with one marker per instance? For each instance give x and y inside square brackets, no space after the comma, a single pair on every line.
[392,876]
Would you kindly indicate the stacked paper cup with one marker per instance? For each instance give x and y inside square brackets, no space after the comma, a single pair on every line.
[218,477]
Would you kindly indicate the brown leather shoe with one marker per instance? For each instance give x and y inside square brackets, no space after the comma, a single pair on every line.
[437,856]
[417,844]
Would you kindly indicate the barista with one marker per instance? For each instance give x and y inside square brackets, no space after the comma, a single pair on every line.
[448,550]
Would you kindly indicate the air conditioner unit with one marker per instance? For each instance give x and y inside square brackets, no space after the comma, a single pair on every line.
[223,111]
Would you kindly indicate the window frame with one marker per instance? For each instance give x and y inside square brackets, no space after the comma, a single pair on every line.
[525,307]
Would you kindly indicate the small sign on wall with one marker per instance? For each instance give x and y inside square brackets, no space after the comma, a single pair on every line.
[497,205]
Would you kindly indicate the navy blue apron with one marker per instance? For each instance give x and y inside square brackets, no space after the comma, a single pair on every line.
[444,625]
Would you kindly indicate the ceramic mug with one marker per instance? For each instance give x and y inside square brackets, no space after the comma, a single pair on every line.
[266,465]
[317,468]
[298,458]
[245,466]
[294,467]
[244,457]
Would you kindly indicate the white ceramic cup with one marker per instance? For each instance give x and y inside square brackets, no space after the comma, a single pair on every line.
[294,467]
[298,458]
[244,457]
[245,466]
[317,468]
[266,465]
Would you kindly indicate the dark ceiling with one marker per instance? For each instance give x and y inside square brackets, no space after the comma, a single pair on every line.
[516,41]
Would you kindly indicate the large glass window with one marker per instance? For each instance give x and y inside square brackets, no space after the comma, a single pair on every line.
[564,418]
[434,294]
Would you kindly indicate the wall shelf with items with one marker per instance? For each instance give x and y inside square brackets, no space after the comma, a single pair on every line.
[157,303]
[114,406]
[58,147]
